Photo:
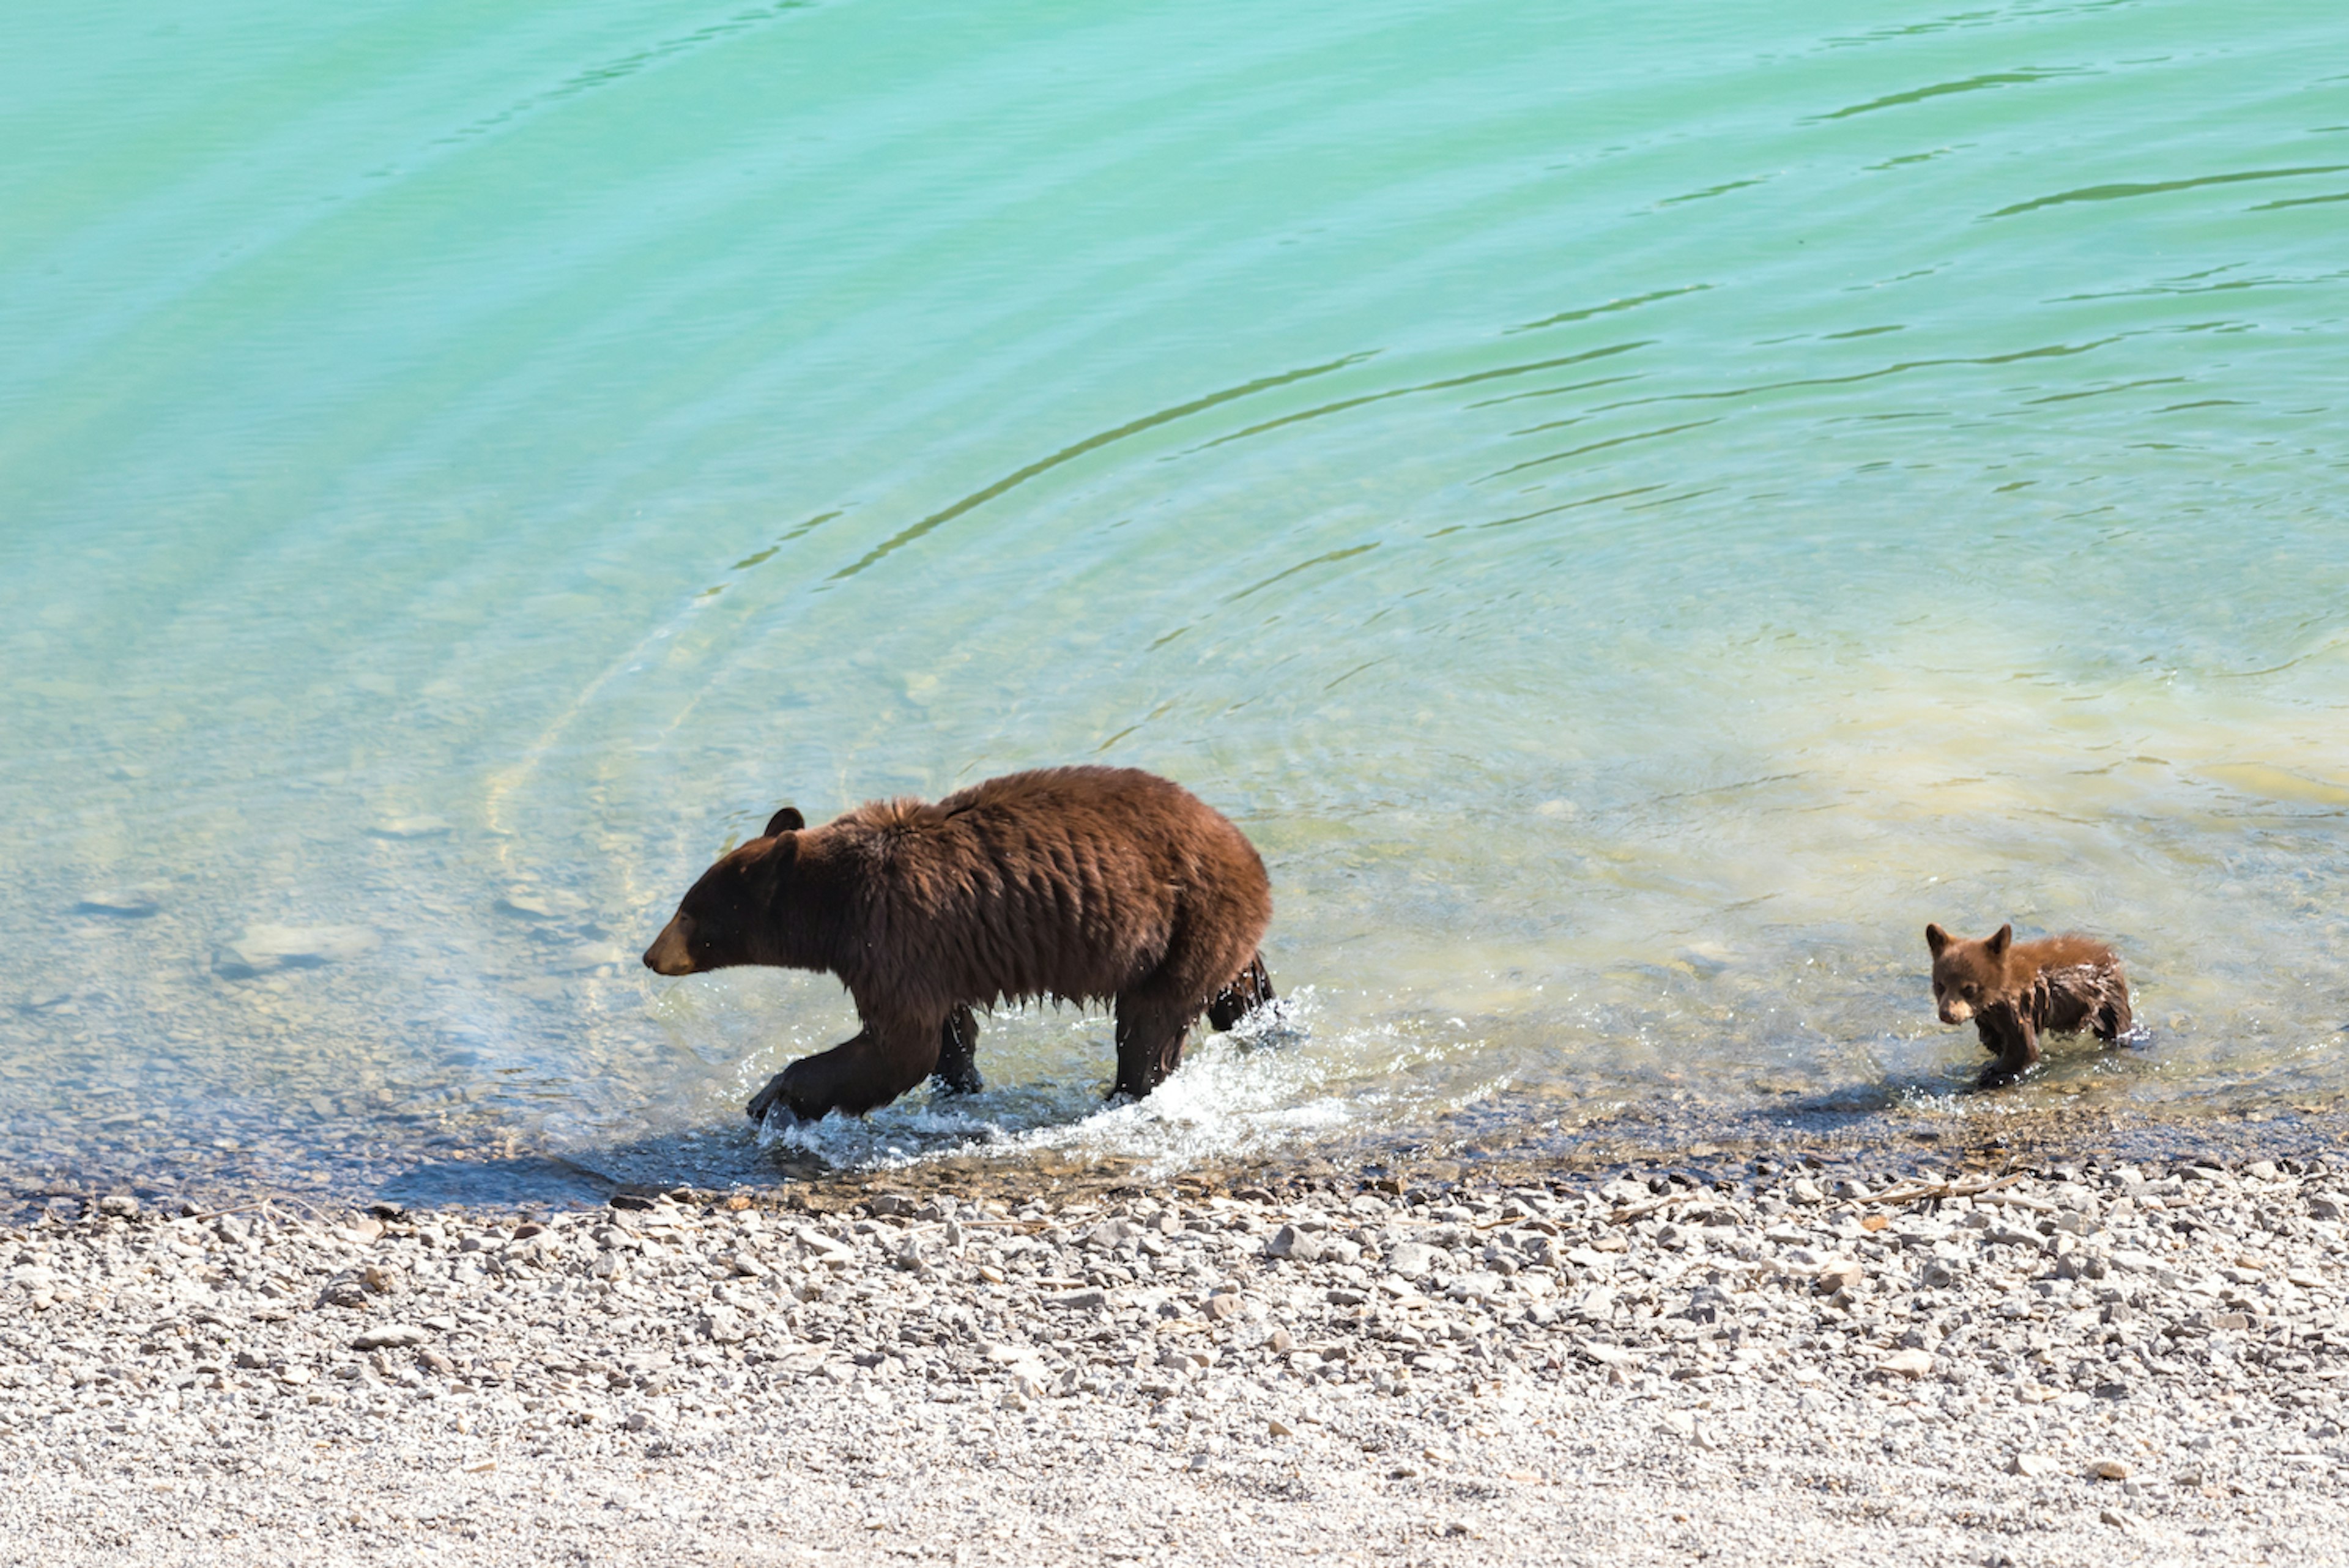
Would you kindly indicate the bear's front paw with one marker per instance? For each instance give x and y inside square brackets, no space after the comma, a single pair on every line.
[776,1094]
[1998,1075]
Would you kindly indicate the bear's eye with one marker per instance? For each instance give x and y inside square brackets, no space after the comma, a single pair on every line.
[1939,988]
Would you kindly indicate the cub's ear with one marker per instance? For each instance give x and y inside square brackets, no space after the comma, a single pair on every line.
[1998,944]
[787,820]
[1936,939]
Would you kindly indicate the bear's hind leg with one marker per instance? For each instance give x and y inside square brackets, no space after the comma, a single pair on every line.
[1250,989]
[958,1069]
[2113,1019]
[1149,1045]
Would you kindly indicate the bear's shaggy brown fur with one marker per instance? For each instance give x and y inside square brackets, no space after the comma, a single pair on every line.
[1080,884]
[2016,992]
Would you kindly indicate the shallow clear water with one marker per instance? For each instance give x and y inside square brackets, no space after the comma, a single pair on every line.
[1635,512]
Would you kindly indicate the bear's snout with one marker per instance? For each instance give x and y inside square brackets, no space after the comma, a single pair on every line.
[670,953]
[1953,1010]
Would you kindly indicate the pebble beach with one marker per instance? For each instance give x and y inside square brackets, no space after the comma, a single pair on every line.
[2051,1364]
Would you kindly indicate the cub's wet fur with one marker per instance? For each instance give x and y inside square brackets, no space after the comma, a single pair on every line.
[2015,992]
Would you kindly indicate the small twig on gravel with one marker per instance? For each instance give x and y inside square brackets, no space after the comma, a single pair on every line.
[216,1213]
[1924,1192]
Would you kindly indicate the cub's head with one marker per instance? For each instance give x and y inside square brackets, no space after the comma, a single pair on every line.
[1967,975]
[728,917]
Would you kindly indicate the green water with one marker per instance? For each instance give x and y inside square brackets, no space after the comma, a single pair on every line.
[1634,511]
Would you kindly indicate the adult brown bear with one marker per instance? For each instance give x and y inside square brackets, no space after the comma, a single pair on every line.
[1081,884]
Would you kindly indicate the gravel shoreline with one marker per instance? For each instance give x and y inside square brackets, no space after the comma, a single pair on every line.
[2053,1364]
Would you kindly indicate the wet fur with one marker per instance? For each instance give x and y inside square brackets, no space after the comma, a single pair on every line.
[1081,884]
[2016,992]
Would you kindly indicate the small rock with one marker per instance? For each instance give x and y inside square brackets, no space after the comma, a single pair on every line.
[723,1325]
[120,1205]
[1110,1235]
[1909,1362]
[2110,1469]
[1706,1304]
[121,903]
[390,1336]
[402,827]
[1080,1300]
[1840,1274]
[1280,1428]
[891,1205]
[1411,1260]
[1224,1307]
[266,949]
[2029,1464]
[1298,1246]
[1479,1286]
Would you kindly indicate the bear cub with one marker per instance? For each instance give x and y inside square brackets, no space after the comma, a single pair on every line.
[1083,884]
[2015,992]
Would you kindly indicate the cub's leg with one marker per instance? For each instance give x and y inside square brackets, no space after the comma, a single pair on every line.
[2017,1045]
[958,1069]
[2113,1019]
[1250,989]
[887,1057]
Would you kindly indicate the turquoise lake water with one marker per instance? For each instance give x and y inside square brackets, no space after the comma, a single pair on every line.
[1635,511]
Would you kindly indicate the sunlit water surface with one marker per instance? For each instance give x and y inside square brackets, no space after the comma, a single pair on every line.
[1634,512]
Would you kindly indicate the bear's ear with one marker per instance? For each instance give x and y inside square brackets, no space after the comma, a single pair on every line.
[787,820]
[769,868]
[1936,939]
[1996,946]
